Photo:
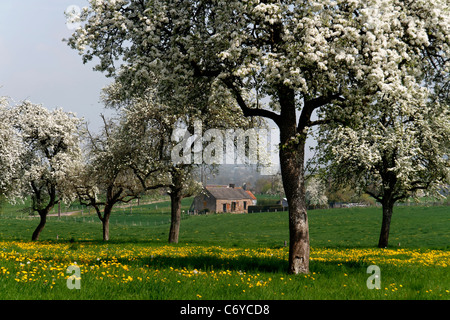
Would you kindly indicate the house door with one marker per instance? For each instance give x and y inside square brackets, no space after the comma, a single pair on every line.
[224,207]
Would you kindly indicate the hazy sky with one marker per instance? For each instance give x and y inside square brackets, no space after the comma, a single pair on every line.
[36,65]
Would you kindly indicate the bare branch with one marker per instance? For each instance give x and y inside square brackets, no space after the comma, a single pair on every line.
[250,112]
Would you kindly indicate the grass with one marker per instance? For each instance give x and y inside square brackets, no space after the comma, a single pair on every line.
[227,256]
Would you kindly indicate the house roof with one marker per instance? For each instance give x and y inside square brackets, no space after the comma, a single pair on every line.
[229,193]
[251,194]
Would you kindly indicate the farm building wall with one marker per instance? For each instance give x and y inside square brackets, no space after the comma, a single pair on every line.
[233,206]
[204,202]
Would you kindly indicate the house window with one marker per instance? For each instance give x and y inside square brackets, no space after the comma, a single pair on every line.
[224,207]
[233,206]
[245,205]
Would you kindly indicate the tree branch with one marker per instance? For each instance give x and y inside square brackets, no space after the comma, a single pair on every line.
[319,122]
[142,177]
[311,105]
[98,211]
[94,144]
[250,112]
[106,125]
[373,195]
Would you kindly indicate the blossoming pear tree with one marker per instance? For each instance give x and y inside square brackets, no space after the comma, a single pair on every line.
[398,147]
[315,192]
[282,60]
[391,154]
[50,156]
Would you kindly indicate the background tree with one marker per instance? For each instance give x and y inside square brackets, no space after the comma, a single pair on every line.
[50,156]
[297,57]
[315,193]
[270,185]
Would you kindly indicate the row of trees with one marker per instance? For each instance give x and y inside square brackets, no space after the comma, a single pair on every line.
[372,76]
[51,156]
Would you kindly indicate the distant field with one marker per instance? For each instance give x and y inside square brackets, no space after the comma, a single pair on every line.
[226,256]
[414,227]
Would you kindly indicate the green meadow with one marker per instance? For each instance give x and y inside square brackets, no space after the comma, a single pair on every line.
[225,256]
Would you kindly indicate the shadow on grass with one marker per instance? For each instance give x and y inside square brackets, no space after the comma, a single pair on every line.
[213,262]
[208,263]
[244,263]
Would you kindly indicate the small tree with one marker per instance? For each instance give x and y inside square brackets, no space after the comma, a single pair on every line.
[107,178]
[50,156]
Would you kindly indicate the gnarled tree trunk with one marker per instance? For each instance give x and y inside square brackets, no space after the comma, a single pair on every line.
[292,157]
[41,225]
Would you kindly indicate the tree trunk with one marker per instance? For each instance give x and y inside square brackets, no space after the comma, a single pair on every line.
[292,156]
[292,171]
[388,208]
[175,221]
[105,222]
[40,227]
